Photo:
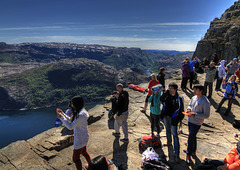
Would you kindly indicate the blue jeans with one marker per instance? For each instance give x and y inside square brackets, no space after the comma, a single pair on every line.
[172,130]
[192,138]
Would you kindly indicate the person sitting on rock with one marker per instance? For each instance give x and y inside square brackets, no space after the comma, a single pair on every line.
[230,162]
[210,77]
[173,106]
[231,90]
[198,110]
[154,99]
[136,87]
[79,126]
[101,163]
[152,83]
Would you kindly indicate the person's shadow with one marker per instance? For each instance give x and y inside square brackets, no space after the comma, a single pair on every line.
[120,154]
[229,117]
[189,93]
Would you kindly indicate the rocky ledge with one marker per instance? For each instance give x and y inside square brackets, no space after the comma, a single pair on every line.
[53,149]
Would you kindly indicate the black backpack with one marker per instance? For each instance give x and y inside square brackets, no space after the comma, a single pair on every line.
[155,165]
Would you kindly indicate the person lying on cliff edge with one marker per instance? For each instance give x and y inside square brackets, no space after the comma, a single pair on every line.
[155,111]
[122,113]
[78,123]
[230,93]
[173,106]
[136,87]
[198,110]
[152,83]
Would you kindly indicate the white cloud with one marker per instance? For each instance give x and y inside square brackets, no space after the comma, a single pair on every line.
[29,28]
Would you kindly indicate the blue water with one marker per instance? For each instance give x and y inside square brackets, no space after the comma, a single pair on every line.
[147,72]
[22,125]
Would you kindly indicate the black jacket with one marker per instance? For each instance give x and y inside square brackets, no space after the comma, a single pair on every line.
[161,79]
[171,105]
[122,102]
[114,104]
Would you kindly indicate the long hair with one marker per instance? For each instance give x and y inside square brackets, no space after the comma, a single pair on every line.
[98,163]
[76,105]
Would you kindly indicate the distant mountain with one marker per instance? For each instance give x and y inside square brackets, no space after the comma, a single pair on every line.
[158,54]
[50,52]
[56,83]
[223,36]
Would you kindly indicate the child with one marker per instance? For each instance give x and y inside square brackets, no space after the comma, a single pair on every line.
[78,123]
[231,89]
[155,111]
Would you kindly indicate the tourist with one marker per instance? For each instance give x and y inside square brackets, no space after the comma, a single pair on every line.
[136,87]
[114,108]
[215,58]
[237,73]
[221,75]
[198,110]
[161,77]
[191,69]
[231,68]
[152,83]
[209,79]
[122,114]
[185,75]
[231,90]
[173,106]
[80,128]
[101,163]
[155,111]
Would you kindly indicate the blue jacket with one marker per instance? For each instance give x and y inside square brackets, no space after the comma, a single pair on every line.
[155,104]
[191,65]
[229,89]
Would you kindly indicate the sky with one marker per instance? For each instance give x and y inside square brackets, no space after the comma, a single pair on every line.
[147,24]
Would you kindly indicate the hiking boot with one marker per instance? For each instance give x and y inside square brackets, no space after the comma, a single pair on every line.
[188,159]
[115,134]
[125,140]
[143,111]
[177,159]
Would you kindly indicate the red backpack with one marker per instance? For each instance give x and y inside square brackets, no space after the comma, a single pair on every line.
[148,141]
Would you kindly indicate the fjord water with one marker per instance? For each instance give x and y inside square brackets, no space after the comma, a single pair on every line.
[22,125]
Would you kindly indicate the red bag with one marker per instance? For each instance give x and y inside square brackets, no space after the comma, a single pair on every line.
[148,141]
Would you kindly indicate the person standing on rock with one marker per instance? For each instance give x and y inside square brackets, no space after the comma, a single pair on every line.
[210,77]
[231,68]
[155,111]
[79,125]
[122,114]
[161,77]
[173,106]
[185,75]
[231,90]
[152,83]
[198,110]
[221,75]
[191,69]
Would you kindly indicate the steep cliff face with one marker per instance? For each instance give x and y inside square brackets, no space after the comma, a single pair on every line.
[223,36]
[57,83]
[119,57]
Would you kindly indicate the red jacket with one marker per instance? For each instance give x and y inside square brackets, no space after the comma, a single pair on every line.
[233,160]
[150,85]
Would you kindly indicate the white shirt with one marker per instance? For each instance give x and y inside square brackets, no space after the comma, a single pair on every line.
[80,128]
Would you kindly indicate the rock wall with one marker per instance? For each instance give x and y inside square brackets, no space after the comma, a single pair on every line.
[223,36]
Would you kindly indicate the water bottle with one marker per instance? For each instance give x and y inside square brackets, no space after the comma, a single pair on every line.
[58,122]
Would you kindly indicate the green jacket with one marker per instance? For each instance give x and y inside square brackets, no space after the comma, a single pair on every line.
[155,105]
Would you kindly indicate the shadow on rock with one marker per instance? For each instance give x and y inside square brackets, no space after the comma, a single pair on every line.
[189,93]
[65,131]
[120,154]
[229,117]
[93,119]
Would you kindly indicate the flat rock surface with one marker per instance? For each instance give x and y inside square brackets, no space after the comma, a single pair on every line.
[53,149]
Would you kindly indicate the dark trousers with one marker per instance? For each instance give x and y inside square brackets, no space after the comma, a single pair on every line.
[155,122]
[210,88]
[184,82]
[191,79]
[230,101]
[219,82]
[192,138]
